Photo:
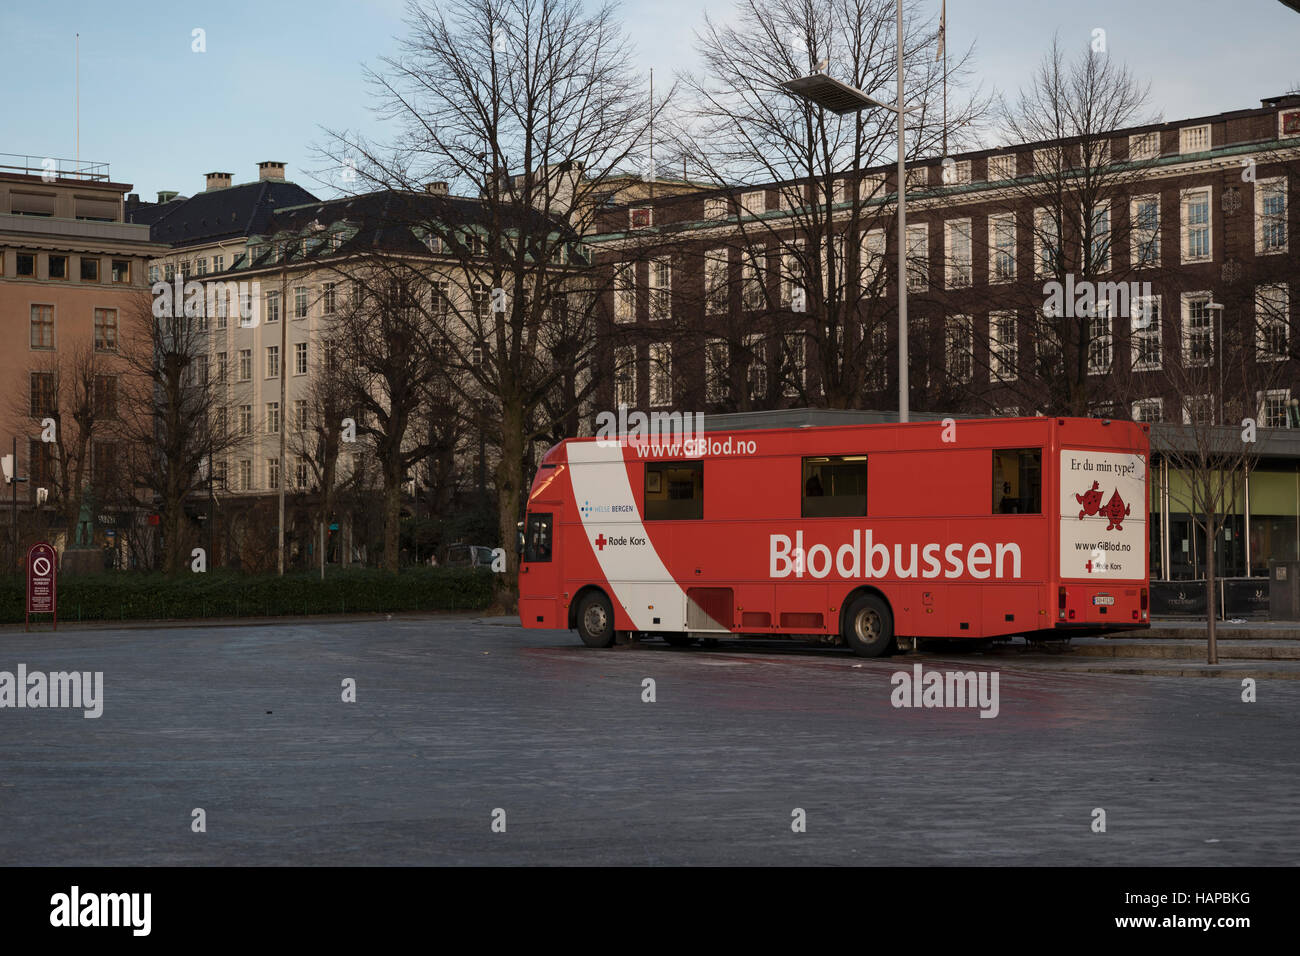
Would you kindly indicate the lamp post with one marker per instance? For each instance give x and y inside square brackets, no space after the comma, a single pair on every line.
[840,98]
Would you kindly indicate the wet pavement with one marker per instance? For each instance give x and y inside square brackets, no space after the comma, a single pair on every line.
[457,719]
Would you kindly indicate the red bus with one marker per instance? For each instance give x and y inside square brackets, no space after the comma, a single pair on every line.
[858,534]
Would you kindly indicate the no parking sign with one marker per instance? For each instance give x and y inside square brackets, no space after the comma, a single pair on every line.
[42,582]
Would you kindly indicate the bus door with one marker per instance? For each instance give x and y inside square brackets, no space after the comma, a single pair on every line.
[539,576]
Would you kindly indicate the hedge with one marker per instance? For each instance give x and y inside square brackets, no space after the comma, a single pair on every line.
[137,596]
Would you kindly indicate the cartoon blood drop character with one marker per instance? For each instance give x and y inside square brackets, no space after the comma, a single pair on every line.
[1116,511]
[1091,500]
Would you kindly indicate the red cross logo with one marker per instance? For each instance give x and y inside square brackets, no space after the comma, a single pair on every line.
[601,542]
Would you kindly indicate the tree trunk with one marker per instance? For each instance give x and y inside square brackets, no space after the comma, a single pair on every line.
[392,516]
[1211,608]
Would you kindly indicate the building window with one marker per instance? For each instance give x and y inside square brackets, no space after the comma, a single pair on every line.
[661,288]
[273,473]
[795,346]
[716,371]
[329,297]
[752,295]
[121,273]
[1148,410]
[1273,322]
[1144,213]
[273,361]
[300,302]
[89,269]
[273,307]
[625,293]
[481,302]
[754,203]
[1143,146]
[245,365]
[41,394]
[57,267]
[1100,341]
[661,374]
[715,281]
[106,396]
[957,253]
[834,253]
[300,358]
[959,347]
[169,271]
[1002,346]
[917,176]
[106,330]
[219,265]
[245,420]
[201,266]
[1002,241]
[1049,160]
[300,474]
[756,371]
[223,363]
[221,474]
[1002,167]
[245,474]
[299,420]
[793,281]
[716,208]
[918,257]
[1047,243]
[1272,407]
[154,275]
[25,265]
[871,258]
[1270,216]
[956,173]
[1198,328]
[871,186]
[1146,333]
[625,376]
[1017,481]
[1196,225]
[1099,253]
[1193,139]
[42,327]
[273,418]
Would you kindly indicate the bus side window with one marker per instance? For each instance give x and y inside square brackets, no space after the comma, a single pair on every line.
[1017,481]
[674,490]
[834,486]
[537,538]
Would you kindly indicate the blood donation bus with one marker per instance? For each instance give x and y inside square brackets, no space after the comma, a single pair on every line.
[862,533]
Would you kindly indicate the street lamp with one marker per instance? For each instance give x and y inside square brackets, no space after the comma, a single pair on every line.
[840,98]
[1217,309]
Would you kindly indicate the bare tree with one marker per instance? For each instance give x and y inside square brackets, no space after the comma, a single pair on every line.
[530,106]
[1069,286]
[812,250]
[167,411]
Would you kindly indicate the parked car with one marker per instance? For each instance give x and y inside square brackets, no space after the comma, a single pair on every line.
[467,556]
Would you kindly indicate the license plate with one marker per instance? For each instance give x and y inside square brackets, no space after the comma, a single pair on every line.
[1103,599]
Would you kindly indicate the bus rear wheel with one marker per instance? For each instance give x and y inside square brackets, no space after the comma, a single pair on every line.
[596,620]
[869,627]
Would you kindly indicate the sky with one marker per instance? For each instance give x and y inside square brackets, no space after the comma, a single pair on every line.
[276,73]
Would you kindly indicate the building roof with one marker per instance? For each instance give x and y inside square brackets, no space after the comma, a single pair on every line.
[243,210]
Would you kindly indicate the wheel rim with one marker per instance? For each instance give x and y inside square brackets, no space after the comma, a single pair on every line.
[594,619]
[867,626]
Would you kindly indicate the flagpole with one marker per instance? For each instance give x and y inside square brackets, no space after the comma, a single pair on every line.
[943,52]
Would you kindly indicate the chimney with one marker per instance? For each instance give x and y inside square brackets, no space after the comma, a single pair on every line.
[167,195]
[132,200]
[270,170]
[438,188]
[218,181]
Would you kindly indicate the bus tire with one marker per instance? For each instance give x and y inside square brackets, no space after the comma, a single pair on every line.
[869,626]
[596,620]
[678,640]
